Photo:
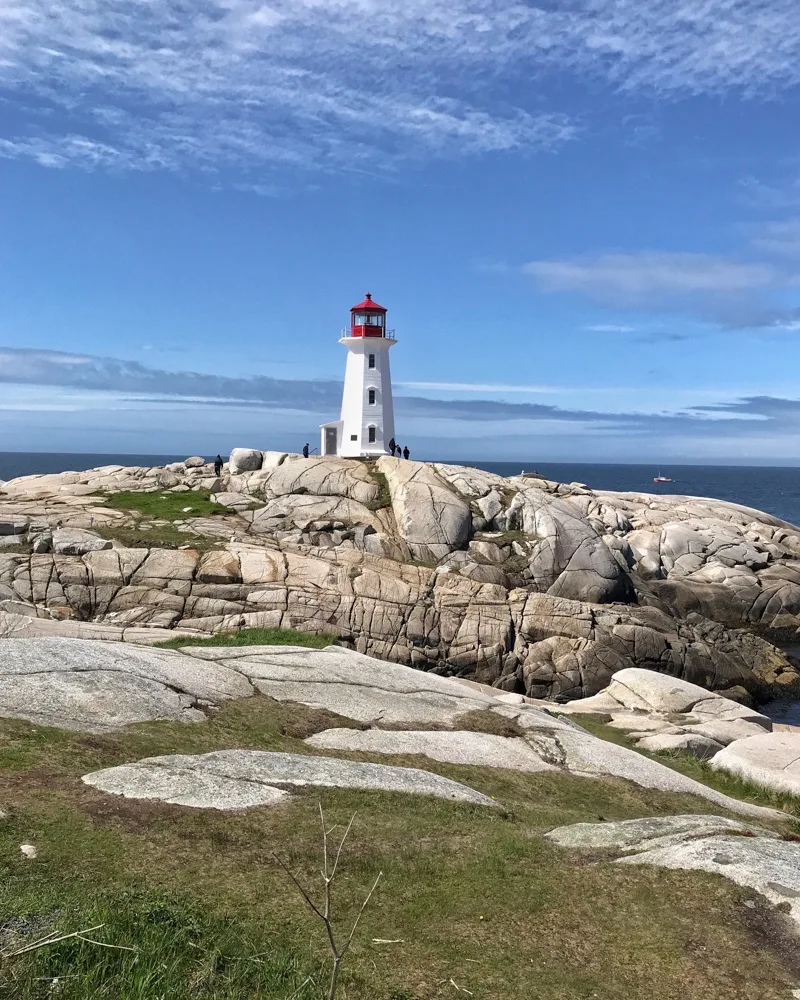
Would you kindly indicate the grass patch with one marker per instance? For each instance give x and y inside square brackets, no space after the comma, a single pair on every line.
[255,637]
[700,770]
[469,894]
[160,536]
[384,497]
[502,537]
[166,506]
[179,951]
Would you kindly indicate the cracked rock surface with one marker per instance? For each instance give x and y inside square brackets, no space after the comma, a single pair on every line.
[542,588]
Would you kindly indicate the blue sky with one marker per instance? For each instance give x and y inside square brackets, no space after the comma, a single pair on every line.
[584,218]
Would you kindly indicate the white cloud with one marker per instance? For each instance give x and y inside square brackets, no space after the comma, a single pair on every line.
[477,387]
[610,328]
[761,194]
[638,274]
[779,237]
[355,83]
[654,280]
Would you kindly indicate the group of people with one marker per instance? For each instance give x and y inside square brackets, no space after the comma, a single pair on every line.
[394,448]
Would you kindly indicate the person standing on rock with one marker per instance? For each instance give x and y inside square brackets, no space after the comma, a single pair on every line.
[305,450]
[392,446]
[218,463]
[406,452]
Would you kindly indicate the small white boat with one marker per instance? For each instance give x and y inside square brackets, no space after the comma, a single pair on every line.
[661,479]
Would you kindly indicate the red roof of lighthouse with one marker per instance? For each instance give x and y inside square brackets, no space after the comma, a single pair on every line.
[369,304]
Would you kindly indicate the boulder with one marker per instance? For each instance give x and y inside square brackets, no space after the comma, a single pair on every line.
[322,477]
[431,518]
[692,743]
[568,557]
[680,715]
[237,501]
[239,779]
[244,460]
[77,542]
[195,462]
[768,759]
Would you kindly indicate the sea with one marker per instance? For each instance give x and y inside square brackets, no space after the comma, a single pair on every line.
[775,490]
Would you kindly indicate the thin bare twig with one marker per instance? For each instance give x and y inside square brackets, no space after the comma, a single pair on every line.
[47,940]
[325,912]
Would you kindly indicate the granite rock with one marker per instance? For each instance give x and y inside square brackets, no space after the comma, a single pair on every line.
[768,759]
[238,779]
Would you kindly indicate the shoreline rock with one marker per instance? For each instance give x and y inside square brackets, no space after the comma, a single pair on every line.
[539,588]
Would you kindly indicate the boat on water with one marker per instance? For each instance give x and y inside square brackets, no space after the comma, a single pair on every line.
[661,479]
[533,474]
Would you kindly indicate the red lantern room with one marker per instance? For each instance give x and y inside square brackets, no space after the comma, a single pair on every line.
[368,319]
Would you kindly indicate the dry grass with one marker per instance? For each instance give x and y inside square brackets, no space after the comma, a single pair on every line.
[471,895]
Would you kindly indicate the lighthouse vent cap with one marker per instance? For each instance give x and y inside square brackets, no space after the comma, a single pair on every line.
[368,305]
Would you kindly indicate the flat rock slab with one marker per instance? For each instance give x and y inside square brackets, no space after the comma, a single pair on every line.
[635,835]
[771,759]
[477,749]
[354,686]
[239,779]
[98,686]
[771,867]
[583,754]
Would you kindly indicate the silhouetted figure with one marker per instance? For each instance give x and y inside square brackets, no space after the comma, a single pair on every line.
[393,446]
[218,463]
[406,452]
[305,450]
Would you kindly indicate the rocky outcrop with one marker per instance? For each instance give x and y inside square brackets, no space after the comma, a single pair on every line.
[664,713]
[97,687]
[431,519]
[540,588]
[768,759]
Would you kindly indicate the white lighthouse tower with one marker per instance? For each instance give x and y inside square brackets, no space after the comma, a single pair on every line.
[366,425]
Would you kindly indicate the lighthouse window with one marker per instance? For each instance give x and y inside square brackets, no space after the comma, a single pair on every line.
[371,435]
[371,397]
[371,362]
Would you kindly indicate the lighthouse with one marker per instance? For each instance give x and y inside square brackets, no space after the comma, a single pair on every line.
[366,424]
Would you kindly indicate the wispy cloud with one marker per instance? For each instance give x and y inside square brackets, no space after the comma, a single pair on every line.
[478,387]
[762,194]
[634,278]
[734,293]
[779,237]
[610,328]
[326,83]
[54,400]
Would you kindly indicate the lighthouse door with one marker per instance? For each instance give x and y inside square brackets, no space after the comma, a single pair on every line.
[330,440]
